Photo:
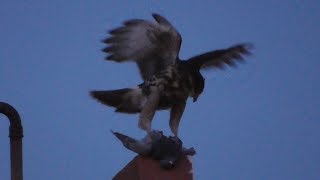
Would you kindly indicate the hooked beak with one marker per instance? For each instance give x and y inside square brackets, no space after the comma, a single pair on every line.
[195,98]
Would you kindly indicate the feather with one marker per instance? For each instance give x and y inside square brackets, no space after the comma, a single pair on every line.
[144,42]
[221,58]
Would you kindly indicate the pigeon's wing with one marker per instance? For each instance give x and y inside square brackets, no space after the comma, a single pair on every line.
[221,58]
[152,45]
[133,144]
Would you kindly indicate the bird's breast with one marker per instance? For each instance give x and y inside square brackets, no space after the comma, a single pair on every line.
[173,86]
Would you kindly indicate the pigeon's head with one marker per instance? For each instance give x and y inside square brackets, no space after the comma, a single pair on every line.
[155,134]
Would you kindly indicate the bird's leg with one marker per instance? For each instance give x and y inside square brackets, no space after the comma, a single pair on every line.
[175,116]
[148,111]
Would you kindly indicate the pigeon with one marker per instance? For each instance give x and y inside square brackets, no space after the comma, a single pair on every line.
[167,150]
[168,81]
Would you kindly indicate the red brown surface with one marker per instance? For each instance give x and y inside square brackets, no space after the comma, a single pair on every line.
[144,168]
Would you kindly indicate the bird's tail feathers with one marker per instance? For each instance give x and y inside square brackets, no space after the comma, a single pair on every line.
[127,100]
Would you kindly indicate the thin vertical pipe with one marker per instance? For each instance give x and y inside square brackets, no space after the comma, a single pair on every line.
[15,135]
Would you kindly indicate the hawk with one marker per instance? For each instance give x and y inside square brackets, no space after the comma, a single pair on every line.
[168,81]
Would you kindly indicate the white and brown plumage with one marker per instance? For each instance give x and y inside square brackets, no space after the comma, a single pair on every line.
[168,81]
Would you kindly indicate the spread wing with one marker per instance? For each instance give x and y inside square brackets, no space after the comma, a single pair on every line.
[152,45]
[221,58]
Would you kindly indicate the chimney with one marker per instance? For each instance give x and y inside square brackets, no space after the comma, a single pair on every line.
[145,168]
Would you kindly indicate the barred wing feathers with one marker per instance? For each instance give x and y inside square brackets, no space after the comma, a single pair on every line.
[152,45]
[221,58]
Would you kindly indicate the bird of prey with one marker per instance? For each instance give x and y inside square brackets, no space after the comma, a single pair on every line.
[167,80]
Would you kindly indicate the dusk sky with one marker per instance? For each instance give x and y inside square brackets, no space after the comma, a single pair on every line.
[259,121]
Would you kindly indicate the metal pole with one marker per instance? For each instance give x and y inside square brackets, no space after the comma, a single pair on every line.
[15,134]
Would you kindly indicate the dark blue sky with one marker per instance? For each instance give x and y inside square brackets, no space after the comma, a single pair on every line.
[258,121]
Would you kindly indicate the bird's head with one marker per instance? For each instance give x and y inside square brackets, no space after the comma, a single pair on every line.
[195,78]
[197,84]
